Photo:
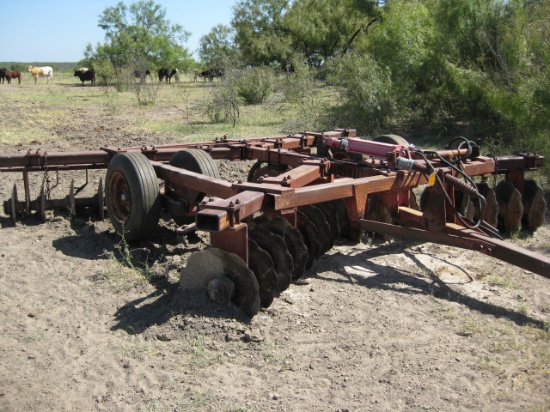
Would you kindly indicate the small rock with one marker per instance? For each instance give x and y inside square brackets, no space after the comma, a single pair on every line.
[163,337]
[251,336]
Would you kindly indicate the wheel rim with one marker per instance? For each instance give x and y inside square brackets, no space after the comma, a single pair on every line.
[120,199]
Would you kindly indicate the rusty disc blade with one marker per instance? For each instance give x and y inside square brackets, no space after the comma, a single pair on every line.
[330,216]
[261,264]
[318,219]
[246,295]
[491,205]
[293,239]
[311,238]
[275,246]
[510,206]
[13,204]
[203,267]
[339,207]
[464,205]
[534,206]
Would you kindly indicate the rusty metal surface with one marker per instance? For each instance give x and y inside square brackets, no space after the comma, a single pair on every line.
[468,239]
[300,178]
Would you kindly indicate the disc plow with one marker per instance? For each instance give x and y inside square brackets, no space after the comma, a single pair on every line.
[303,192]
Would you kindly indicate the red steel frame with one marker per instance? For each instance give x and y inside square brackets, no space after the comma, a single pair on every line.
[310,179]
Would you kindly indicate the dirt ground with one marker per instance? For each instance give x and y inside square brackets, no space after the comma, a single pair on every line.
[384,325]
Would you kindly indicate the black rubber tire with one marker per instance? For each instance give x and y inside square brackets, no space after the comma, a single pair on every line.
[197,161]
[391,139]
[260,169]
[132,196]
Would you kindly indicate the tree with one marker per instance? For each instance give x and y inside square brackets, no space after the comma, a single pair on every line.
[320,28]
[139,32]
[260,33]
[217,49]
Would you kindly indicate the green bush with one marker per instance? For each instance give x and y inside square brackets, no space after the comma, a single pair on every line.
[226,101]
[255,85]
[370,102]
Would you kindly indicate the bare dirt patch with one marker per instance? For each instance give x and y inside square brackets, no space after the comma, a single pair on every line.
[382,325]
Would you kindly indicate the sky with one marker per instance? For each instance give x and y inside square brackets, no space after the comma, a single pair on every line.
[58,30]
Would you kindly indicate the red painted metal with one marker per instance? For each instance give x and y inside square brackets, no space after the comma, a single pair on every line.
[390,171]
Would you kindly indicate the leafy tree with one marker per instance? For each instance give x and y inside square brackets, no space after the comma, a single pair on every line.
[139,32]
[321,28]
[404,43]
[260,33]
[217,48]
[370,102]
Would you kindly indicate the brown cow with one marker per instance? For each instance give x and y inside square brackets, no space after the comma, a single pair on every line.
[13,75]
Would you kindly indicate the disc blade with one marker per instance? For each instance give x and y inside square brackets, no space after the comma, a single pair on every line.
[293,239]
[311,238]
[330,216]
[491,205]
[261,264]
[318,219]
[510,206]
[534,206]
[275,246]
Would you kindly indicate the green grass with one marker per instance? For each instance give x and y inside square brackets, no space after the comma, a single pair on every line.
[180,109]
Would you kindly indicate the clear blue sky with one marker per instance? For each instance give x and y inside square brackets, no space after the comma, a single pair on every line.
[58,30]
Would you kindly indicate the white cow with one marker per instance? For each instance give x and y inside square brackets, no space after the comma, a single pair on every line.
[45,71]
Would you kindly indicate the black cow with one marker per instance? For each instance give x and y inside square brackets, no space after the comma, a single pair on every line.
[3,72]
[210,74]
[167,74]
[141,74]
[86,76]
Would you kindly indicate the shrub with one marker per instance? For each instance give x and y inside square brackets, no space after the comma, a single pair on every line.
[255,84]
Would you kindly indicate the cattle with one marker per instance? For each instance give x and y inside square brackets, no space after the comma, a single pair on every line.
[3,72]
[85,75]
[37,72]
[141,74]
[209,74]
[13,75]
[167,74]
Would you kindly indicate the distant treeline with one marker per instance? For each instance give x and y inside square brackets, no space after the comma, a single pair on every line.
[22,66]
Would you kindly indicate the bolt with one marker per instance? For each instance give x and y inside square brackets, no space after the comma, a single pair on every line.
[239,181]
[231,204]
[210,199]
[237,202]
[289,177]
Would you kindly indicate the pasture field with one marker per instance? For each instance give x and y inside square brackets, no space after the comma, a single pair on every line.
[89,323]
[180,109]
